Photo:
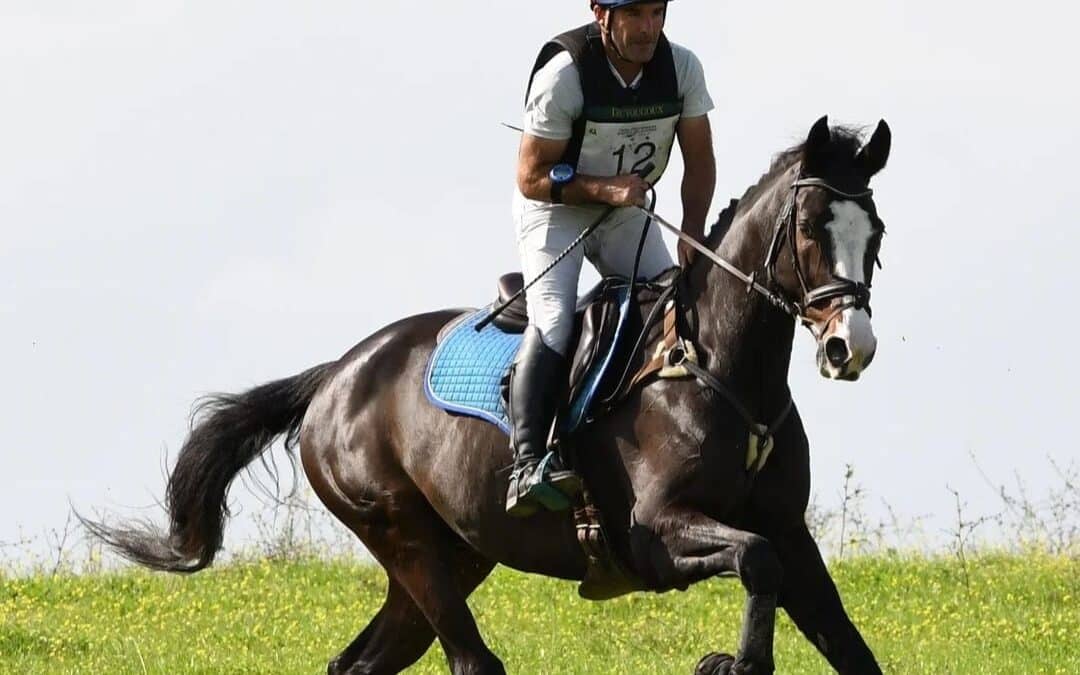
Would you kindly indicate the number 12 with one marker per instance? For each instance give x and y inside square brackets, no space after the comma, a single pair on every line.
[648,147]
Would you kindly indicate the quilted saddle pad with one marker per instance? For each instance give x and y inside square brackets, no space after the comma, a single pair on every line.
[465,372]
[467,368]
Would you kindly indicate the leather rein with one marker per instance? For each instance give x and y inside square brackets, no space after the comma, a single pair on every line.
[855,294]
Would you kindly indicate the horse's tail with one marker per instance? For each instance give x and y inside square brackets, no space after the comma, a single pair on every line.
[228,432]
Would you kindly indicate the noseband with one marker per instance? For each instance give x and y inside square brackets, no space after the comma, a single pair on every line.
[855,294]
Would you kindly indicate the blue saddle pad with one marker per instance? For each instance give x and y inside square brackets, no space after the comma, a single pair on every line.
[465,372]
[466,369]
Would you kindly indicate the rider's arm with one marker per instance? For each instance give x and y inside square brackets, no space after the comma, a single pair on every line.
[537,155]
[699,178]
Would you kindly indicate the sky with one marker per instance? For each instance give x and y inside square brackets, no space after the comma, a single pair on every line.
[200,197]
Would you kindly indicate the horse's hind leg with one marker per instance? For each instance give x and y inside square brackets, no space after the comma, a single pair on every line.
[442,599]
[432,572]
[395,639]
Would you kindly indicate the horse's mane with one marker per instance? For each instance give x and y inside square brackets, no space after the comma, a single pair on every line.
[845,142]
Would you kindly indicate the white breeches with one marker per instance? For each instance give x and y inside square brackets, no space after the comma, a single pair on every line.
[543,234]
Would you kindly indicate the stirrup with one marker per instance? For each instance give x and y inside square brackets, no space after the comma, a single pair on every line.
[553,473]
[541,486]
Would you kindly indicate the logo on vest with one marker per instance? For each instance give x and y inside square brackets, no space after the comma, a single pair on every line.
[638,112]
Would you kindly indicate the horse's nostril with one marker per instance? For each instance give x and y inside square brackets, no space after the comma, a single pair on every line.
[837,352]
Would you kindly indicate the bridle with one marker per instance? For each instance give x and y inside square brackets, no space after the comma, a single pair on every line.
[854,294]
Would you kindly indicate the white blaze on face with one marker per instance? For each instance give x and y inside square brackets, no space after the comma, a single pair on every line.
[850,231]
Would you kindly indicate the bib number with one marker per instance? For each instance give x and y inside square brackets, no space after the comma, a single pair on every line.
[642,153]
[621,148]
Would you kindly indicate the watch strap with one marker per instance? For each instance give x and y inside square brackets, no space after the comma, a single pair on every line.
[556,192]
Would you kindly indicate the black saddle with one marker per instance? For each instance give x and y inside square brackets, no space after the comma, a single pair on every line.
[596,326]
[515,318]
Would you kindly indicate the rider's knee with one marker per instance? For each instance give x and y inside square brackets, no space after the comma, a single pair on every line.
[556,333]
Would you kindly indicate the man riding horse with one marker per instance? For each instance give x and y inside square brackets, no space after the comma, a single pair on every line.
[696,476]
[604,106]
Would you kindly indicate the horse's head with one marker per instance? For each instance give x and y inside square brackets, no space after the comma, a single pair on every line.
[832,228]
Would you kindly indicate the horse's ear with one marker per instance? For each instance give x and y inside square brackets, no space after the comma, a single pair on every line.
[875,154]
[817,145]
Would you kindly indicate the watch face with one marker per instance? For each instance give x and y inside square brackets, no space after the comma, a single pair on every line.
[562,173]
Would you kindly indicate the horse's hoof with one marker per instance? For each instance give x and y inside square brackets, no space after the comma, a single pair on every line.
[715,664]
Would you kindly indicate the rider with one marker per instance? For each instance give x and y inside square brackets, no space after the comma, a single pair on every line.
[604,106]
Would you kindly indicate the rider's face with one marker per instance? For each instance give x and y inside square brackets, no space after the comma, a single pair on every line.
[634,29]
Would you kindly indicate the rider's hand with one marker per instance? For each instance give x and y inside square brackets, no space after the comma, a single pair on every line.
[686,254]
[627,190]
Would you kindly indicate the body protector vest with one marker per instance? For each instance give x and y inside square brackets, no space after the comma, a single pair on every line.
[621,130]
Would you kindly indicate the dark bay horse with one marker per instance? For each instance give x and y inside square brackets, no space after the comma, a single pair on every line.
[424,490]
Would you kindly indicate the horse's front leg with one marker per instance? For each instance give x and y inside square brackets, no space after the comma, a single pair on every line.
[676,548]
[810,598]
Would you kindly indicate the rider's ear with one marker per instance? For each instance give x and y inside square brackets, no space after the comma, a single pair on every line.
[875,154]
[817,146]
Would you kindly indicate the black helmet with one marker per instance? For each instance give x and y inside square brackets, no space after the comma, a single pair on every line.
[615,4]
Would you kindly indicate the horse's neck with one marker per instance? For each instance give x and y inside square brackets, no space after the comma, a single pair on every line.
[744,338]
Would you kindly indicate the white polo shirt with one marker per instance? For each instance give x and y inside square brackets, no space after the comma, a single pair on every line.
[556,99]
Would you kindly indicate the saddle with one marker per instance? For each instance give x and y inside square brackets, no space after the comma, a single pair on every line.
[468,371]
[610,331]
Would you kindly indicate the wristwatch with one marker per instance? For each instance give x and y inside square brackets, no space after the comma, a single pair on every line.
[560,175]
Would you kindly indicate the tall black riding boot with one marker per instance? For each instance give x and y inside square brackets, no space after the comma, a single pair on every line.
[537,382]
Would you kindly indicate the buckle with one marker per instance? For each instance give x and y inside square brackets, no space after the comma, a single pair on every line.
[759,447]
[676,358]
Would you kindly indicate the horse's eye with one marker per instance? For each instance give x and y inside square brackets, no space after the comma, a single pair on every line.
[806,229]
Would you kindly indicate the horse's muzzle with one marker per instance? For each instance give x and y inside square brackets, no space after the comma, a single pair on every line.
[847,346]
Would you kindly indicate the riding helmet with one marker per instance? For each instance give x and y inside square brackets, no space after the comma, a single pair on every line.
[615,4]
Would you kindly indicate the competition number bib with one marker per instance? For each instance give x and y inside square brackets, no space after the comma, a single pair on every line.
[621,148]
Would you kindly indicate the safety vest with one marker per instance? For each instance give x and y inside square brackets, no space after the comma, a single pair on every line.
[621,130]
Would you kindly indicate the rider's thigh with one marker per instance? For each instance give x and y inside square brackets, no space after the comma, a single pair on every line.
[552,299]
[616,248]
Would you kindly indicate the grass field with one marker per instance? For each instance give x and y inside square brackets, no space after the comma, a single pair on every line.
[999,614]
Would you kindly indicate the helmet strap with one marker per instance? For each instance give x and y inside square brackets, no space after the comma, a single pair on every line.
[611,38]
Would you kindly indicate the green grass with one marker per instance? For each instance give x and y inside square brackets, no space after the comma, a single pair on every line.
[1012,615]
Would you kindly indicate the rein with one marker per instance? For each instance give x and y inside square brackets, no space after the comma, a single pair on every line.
[859,292]
[856,294]
[749,279]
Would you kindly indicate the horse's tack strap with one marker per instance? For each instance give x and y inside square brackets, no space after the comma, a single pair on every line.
[675,357]
[668,341]
[761,435]
[590,531]
[669,355]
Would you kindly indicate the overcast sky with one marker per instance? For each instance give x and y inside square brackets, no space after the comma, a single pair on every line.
[201,196]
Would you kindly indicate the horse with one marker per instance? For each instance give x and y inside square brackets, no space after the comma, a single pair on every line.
[424,490]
